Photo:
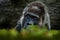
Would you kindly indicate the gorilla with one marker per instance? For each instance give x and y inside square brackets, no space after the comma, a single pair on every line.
[35,13]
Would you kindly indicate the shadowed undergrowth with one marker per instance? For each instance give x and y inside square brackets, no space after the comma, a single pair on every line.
[31,33]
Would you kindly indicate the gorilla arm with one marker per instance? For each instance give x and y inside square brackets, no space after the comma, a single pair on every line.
[47,21]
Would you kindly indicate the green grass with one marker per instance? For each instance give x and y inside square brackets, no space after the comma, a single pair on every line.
[31,33]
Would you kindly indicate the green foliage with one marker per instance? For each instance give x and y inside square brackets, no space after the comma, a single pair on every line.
[31,33]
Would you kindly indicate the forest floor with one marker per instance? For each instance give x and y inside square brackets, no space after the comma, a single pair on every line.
[31,33]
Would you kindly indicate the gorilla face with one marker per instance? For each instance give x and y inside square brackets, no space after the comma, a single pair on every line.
[30,20]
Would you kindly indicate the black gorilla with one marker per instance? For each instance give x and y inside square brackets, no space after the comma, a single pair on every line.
[35,13]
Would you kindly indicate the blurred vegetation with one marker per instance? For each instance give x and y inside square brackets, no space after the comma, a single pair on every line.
[31,33]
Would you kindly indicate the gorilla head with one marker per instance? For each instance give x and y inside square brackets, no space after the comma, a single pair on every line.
[35,8]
